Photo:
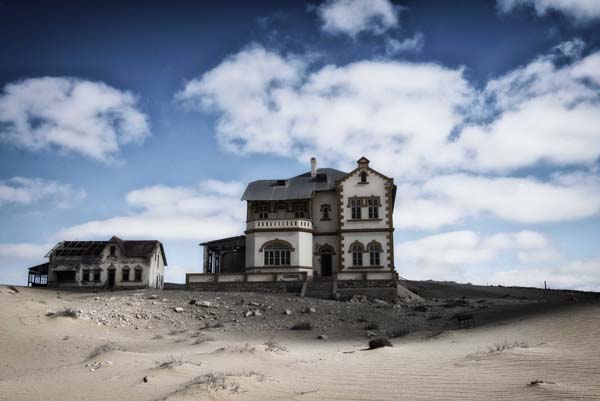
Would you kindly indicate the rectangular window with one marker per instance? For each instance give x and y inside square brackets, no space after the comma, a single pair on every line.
[263,211]
[277,257]
[138,275]
[356,209]
[97,275]
[85,276]
[125,275]
[65,276]
[373,208]
[374,258]
[357,258]
[299,210]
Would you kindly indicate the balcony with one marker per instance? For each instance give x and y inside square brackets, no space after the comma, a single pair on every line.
[275,224]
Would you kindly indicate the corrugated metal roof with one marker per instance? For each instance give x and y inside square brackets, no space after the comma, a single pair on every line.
[299,187]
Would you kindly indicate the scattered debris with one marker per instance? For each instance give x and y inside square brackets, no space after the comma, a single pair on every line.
[302,326]
[322,337]
[178,309]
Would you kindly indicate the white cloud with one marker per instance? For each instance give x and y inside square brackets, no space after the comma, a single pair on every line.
[71,115]
[409,45]
[461,255]
[545,114]
[402,113]
[395,112]
[351,17]
[25,191]
[23,251]
[582,11]
[208,211]
[578,274]
[447,199]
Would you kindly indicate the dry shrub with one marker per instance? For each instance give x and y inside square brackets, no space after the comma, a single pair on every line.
[168,363]
[103,348]
[379,343]
[67,312]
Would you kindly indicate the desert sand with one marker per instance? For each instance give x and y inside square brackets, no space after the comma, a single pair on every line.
[527,345]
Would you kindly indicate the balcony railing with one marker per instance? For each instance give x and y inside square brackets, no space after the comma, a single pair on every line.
[274,224]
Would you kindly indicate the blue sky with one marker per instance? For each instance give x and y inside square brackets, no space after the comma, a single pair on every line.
[148,121]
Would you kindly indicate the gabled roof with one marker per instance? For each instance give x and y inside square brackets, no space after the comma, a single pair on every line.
[300,187]
[131,249]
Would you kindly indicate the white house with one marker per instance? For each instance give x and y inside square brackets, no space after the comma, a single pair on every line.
[107,264]
[319,223]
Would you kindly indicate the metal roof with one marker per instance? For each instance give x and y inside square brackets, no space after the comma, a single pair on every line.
[299,187]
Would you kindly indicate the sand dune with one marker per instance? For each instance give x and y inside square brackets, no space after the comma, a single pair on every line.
[44,358]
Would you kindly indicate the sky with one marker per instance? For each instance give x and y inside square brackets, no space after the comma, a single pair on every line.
[148,120]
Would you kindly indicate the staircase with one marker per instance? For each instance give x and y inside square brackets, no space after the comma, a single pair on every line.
[319,287]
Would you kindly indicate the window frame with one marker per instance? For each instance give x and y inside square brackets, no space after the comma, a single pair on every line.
[123,277]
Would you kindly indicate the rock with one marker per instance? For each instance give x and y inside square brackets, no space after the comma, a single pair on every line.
[253,304]
[287,312]
[204,304]
[165,300]
[178,309]
[257,313]
[145,379]
[248,313]
[192,302]
[370,334]
[310,310]
[322,337]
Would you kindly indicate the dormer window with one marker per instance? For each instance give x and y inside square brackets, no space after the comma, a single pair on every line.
[363,177]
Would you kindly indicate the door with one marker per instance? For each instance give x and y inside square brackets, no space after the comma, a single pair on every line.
[326,265]
[111,278]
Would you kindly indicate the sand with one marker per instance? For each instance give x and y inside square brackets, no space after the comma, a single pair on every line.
[48,358]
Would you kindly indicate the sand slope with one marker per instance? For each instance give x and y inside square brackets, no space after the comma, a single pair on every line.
[46,358]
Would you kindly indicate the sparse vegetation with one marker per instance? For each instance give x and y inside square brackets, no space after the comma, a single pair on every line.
[503,347]
[379,343]
[13,288]
[67,312]
[302,326]
[169,362]
[104,348]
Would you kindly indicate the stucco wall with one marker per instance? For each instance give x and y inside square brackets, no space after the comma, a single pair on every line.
[320,199]
[300,241]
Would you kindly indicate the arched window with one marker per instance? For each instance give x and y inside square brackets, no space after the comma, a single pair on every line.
[138,273]
[125,274]
[374,249]
[357,249]
[277,253]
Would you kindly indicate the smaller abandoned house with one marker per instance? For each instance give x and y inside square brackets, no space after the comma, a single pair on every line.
[38,275]
[115,263]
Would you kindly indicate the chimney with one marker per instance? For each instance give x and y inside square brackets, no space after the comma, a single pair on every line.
[313,167]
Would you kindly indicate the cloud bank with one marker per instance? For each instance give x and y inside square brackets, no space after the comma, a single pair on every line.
[70,115]
[26,191]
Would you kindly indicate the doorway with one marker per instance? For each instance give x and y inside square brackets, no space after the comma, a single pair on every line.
[111,278]
[326,265]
